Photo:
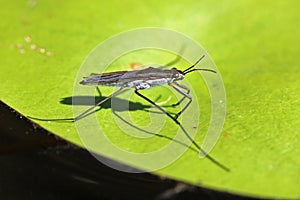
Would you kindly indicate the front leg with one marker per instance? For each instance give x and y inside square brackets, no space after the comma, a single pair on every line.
[177,87]
[183,93]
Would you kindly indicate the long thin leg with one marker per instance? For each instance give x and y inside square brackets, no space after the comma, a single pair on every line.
[85,113]
[183,87]
[185,132]
[98,104]
[185,95]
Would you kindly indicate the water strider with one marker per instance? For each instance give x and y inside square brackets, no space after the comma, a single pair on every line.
[141,80]
[147,79]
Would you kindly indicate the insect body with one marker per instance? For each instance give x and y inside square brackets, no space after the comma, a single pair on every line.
[141,80]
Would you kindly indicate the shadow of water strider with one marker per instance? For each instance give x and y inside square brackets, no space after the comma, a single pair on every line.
[118,103]
[120,106]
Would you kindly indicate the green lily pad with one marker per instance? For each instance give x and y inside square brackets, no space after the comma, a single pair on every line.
[254,45]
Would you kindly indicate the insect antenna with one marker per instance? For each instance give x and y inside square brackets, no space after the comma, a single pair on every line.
[208,70]
[188,69]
